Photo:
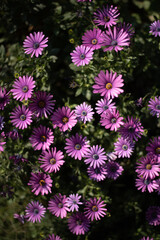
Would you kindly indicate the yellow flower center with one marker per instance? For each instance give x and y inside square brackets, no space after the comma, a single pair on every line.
[94,41]
[148,166]
[41,104]
[94,208]
[158,150]
[41,182]
[77,146]
[22,117]
[106,18]
[108,86]
[64,119]
[43,138]
[60,205]
[25,89]
[52,161]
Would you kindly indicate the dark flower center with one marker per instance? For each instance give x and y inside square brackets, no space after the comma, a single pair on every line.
[114,43]
[113,120]
[94,41]
[124,147]
[158,29]
[83,113]
[82,56]
[109,86]
[79,222]
[22,117]
[36,211]
[97,171]
[131,129]
[25,89]
[148,166]
[36,45]
[65,119]
[113,169]
[158,150]
[42,182]
[147,181]
[94,208]
[52,161]
[95,156]
[41,104]
[105,107]
[74,202]
[106,18]
[60,205]
[43,138]
[158,107]
[77,146]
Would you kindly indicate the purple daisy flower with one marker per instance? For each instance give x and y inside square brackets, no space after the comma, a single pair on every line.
[115,40]
[1,122]
[153,215]
[132,129]
[82,55]
[40,183]
[51,160]
[35,211]
[14,134]
[95,156]
[92,38]
[42,104]
[98,173]
[77,146]
[114,170]
[124,147]
[146,238]
[104,105]
[108,84]
[18,158]
[154,106]
[95,209]
[64,118]
[2,141]
[158,189]
[154,147]
[20,217]
[146,184]
[58,205]
[34,44]
[23,88]
[73,202]
[78,223]
[4,98]
[21,117]
[128,28]
[106,16]
[111,120]
[148,167]
[155,28]
[41,138]
[84,112]
[53,237]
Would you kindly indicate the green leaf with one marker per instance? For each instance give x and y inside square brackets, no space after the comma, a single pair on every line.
[78,92]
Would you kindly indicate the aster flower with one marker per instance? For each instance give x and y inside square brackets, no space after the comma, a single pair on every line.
[41,138]
[42,104]
[95,156]
[82,55]
[14,134]
[4,98]
[115,40]
[148,167]
[106,16]
[58,205]
[53,237]
[21,117]
[73,202]
[146,238]
[20,217]
[64,118]
[92,38]
[155,28]
[2,141]
[132,129]
[126,28]
[35,211]
[84,112]
[98,173]
[104,105]
[40,183]
[124,147]
[34,44]
[139,102]
[95,209]
[108,84]
[114,170]
[111,120]
[78,223]
[23,88]
[146,184]
[77,146]
[153,215]
[51,160]
[154,106]
[1,122]
[154,147]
